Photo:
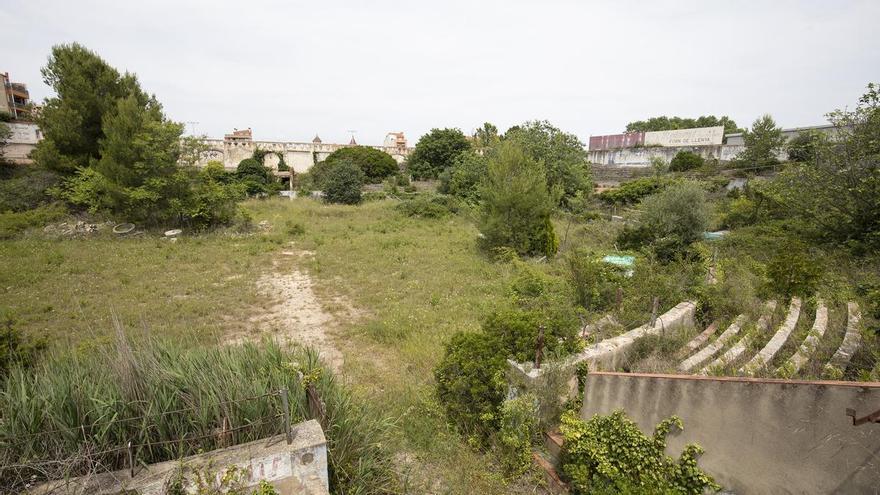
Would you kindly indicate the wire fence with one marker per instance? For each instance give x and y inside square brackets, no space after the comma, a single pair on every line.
[33,458]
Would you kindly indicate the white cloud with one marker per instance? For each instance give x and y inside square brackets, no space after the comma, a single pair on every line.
[290,69]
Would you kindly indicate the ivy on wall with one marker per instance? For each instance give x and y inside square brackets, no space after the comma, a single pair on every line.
[609,454]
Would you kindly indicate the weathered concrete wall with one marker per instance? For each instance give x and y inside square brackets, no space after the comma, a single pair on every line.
[760,436]
[298,156]
[23,140]
[641,157]
[299,468]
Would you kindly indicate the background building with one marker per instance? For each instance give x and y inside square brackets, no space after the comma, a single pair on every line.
[16,99]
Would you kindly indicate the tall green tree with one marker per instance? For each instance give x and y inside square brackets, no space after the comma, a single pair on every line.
[86,91]
[836,196]
[486,137]
[762,143]
[517,204]
[435,152]
[563,155]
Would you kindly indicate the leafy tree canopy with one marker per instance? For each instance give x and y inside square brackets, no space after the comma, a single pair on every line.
[563,155]
[436,151]
[376,165]
[664,123]
[87,90]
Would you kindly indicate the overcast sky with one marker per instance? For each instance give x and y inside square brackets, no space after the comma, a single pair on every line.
[291,69]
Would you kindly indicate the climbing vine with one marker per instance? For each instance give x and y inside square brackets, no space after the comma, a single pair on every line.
[609,454]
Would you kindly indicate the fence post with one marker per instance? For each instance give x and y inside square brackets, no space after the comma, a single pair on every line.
[285,404]
[539,347]
[130,461]
[654,307]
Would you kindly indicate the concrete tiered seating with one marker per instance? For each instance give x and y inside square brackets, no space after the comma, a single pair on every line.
[710,350]
[851,341]
[811,342]
[765,355]
[740,347]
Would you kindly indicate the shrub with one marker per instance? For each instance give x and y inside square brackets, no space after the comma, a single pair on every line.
[609,454]
[254,176]
[762,142]
[15,350]
[793,271]
[670,221]
[14,223]
[517,205]
[519,427]
[741,211]
[516,330]
[804,147]
[633,191]
[435,152]
[83,393]
[470,382]
[375,164]
[343,183]
[463,179]
[428,206]
[686,160]
[24,187]
[595,282]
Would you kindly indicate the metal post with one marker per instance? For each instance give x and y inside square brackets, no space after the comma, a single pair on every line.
[285,404]
[539,347]
[654,307]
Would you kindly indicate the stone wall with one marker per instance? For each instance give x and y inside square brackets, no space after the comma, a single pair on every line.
[298,156]
[760,436]
[298,468]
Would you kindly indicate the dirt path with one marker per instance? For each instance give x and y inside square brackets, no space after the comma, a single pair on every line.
[293,313]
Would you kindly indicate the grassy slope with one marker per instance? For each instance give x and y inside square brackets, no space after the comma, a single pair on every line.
[414,281]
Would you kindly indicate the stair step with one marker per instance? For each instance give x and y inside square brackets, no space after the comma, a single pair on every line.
[555,484]
[553,443]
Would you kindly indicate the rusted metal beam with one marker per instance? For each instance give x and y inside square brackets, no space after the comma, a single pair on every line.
[874,417]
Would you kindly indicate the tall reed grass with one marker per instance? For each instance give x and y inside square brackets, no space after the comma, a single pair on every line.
[75,410]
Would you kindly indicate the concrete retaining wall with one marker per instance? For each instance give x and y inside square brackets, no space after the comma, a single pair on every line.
[606,354]
[710,350]
[299,468]
[765,355]
[760,436]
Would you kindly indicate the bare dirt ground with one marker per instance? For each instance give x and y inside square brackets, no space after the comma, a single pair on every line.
[294,315]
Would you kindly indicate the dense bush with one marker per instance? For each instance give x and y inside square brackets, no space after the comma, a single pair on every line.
[516,205]
[595,282]
[837,195]
[15,349]
[686,160]
[804,147]
[609,454]
[376,165]
[741,211]
[670,221]
[255,177]
[516,330]
[94,393]
[428,206]
[23,187]
[463,179]
[435,152]
[633,191]
[343,183]
[793,270]
[470,382]
[13,223]
[518,429]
